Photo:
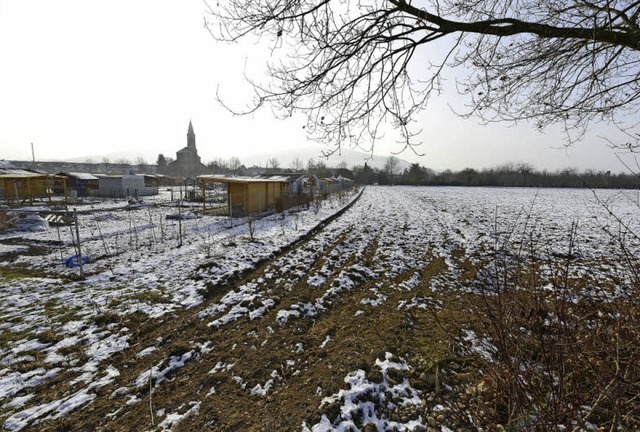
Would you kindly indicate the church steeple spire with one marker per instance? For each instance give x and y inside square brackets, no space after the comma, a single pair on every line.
[191,137]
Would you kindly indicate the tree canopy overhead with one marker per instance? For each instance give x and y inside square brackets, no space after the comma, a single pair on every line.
[345,63]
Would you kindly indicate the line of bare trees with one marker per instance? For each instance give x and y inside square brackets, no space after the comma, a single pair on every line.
[510,175]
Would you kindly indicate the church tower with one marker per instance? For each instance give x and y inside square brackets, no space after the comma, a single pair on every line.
[191,138]
[187,163]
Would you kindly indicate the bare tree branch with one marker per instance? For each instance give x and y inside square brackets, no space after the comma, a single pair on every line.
[346,65]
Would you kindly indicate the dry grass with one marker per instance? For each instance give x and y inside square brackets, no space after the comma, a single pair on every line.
[566,345]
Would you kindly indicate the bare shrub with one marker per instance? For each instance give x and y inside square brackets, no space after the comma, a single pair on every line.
[251,226]
[317,203]
[564,340]
[106,318]
[296,221]
[207,244]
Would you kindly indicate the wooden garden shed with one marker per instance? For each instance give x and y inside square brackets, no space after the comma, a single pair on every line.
[246,195]
[84,184]
[24,187]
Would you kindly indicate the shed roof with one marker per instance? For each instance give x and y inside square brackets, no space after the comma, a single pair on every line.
[5,164]
[29,175]
[81,175]
[15,171]
[8,167]
[116,176]
[291,177]
[243,179]
[341,179]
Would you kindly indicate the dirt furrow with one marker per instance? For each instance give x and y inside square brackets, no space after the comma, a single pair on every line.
[266,373]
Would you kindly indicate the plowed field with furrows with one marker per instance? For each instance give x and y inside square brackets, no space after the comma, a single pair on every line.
[346,329]
[262,354]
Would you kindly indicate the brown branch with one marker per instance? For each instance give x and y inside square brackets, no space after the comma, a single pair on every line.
[511,27]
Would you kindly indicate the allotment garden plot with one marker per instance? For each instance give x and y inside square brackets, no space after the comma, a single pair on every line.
[278,323]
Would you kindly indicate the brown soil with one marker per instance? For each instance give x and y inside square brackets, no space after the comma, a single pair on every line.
[258,348]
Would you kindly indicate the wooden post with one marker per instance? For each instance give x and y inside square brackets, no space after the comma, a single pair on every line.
[49,181]
[75,217]
[60,242]
[29,191]
[230,205]
[179,224]
[204,198]
[15,187]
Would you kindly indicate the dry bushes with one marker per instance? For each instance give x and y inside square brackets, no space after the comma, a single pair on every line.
[559,338]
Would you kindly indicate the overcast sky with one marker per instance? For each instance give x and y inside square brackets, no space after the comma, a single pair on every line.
[84,78]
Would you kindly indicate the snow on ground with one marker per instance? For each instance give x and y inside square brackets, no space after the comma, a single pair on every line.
[360,404]
[404,223]
[137,266]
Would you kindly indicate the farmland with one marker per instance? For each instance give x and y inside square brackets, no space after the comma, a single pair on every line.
[295,321]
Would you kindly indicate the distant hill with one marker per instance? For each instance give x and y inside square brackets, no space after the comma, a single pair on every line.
[130,155]
[351,157]
[285,157]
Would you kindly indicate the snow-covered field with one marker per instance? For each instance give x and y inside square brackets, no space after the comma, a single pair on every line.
[54,324]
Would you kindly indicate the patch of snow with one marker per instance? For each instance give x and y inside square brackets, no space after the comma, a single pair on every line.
[481,346]
[19,401]
[260,390]
[15,382]
[363,401]
[145,352]
[325,342]
[157,376]
[58,409]
[172,419]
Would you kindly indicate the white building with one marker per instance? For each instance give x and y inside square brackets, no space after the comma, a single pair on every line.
[121,186]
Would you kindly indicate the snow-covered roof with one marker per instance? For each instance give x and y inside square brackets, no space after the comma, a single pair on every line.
[101,176]
[243,179]
[290,176]
[82,176]
[9,168]
[5,164]
[14,172]
[27,174]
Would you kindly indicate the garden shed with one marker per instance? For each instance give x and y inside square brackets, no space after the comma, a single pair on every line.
[246,195]
[325,185]
[122,186]
[84,184]
[341,183]
[294,180]
[23,187]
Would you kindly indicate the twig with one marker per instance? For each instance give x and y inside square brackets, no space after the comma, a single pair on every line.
[150,394]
